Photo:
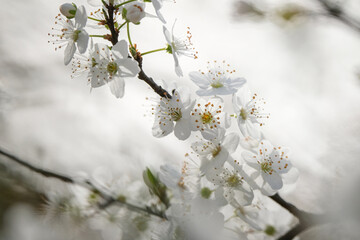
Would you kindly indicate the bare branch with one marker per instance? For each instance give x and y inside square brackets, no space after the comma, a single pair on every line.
[109,200]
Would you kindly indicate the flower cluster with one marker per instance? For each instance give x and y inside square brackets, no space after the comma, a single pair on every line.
[220,187]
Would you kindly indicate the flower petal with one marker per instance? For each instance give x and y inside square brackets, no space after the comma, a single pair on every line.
[80,17]
[117,87]
[69,52]
[231,142]
[82,41]
[199,79]
[274,180]
[182,129]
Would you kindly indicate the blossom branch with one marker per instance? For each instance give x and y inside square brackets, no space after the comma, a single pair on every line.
[109,200]
[114,39]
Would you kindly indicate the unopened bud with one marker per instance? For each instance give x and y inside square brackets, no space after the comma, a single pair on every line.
[68,10]
[135,11]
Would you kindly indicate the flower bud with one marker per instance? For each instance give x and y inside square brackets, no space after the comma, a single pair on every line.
[135,11]
[68,10]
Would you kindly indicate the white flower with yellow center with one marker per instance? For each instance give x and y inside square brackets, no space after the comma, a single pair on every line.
[270,162]
[71,34]
[216,80]
[208,115]
[249,112]
[173,115]
[236,190]
[215,152]
[179,47]
[113,66]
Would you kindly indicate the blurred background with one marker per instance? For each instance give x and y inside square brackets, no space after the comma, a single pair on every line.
[301,59]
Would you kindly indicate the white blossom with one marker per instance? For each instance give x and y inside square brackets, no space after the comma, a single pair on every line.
[215,152]
[71,34]
[208,115]
[216,80]
[249,111]
[270,162]
[178,47]
[236,190]
[113,66]
[173,115]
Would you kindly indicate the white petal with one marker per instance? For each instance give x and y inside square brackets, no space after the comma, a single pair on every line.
[231,142]
[182,129]
[80,17]
[117,87]
[177,66]
[274,180]
[167,35]
[120,49]
[82,41]
[199,79]
[160,16]
[237,83]
[131,67]
[69,52]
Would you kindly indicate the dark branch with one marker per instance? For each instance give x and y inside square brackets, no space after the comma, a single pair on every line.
[306,219]
[335,11]
[114,39]
[109,200]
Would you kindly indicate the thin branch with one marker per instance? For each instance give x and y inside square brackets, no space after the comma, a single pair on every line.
[336,12]
[109,200]
[306,219]
[142,76]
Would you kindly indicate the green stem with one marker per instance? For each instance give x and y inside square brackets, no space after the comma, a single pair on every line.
[98,20]
[121,25]
[152,51]
[119,5]
[100,36]
[128,33]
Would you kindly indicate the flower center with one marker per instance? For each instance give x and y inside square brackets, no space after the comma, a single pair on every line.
[176,115]
[216,151]
[233,181]
[243,114]
[217,84]
[112,68]
[75,35]
[93,62]
[266,167]
[206,117]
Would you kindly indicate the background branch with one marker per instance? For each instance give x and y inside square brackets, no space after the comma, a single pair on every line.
[109,200]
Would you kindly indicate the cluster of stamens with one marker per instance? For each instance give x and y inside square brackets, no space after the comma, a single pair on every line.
[60,35]
[217,73]
[184,46]
[254,110]
[206,117]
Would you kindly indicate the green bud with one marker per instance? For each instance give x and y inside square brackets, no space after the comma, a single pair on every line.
[68,10]
[206,192]
[270,230]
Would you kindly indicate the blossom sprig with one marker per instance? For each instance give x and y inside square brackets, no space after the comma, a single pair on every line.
[179,47]
[72,34]
[208,188]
